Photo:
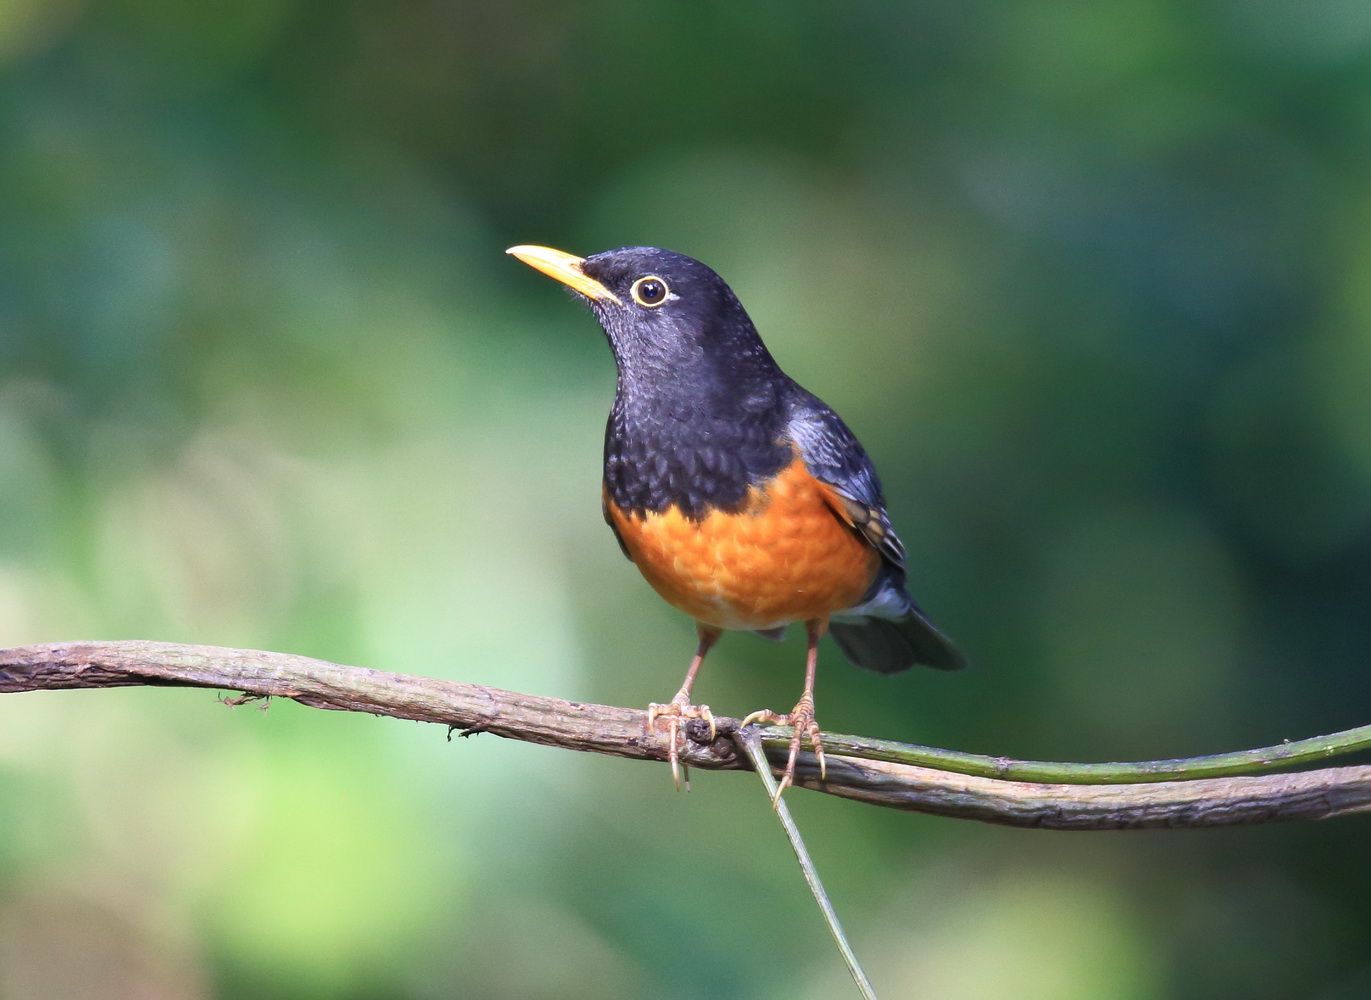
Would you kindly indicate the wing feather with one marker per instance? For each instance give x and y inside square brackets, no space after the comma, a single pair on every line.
[836,458]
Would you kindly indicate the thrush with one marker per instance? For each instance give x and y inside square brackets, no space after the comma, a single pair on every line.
[742,498]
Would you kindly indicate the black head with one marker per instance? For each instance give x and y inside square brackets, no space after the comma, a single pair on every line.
[669,318]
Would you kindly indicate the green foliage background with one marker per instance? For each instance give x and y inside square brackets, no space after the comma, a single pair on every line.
[1090,281]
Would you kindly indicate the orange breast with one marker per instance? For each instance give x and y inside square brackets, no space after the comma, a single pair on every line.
[786,557]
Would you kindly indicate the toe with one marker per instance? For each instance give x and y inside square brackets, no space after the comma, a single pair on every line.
[708,716]
[766,717]
[673,755]
[816,741]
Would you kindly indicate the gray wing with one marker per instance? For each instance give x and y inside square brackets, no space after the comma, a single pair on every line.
[836,458]
[888,632]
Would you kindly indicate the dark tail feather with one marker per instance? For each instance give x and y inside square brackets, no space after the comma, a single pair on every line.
[887,646]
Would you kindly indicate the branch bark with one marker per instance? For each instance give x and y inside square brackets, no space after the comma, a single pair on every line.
[622,732]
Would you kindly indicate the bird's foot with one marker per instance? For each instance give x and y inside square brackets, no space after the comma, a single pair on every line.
[674,712]
[801,717]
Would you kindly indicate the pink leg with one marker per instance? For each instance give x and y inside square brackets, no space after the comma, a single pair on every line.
[680,707]
[801,717]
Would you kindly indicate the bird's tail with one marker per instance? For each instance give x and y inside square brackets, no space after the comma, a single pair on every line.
[888,645]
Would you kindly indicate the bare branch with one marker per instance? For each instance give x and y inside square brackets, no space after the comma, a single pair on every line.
[622,732]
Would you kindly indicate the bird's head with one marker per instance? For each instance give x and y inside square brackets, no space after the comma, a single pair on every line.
[663,312]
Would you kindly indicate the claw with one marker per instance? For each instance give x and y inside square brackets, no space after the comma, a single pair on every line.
[765,717]
[801,718]
[781,786]
[680,774]
[680,708]
[677,709]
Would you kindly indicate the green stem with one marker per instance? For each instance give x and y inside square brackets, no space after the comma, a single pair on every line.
[1221,765]
[751,743]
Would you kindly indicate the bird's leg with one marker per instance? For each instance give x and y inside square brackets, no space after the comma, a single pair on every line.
[801,717]
[680,707]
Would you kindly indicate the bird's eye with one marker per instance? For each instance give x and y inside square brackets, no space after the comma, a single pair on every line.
[650,291]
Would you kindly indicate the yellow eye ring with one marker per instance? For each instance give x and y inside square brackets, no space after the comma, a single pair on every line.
[650,292]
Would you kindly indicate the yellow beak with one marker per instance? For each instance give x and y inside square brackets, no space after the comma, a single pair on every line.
[566,268]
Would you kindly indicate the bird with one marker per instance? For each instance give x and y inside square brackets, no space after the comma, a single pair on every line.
[742,498]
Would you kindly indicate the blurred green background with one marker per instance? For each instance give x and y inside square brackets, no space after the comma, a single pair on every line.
[1089,280]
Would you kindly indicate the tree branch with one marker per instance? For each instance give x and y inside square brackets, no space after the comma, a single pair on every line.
[879,779]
